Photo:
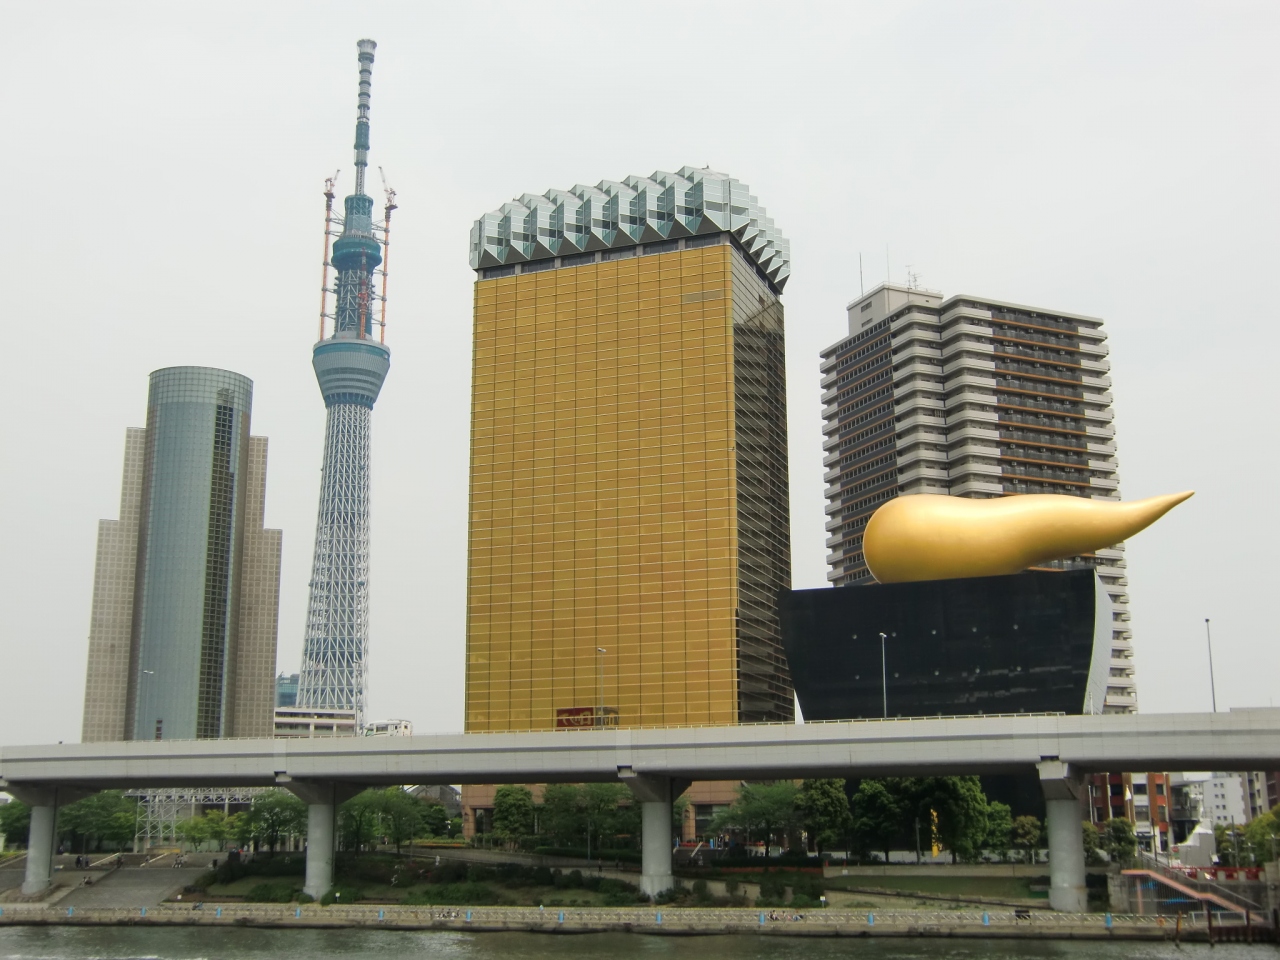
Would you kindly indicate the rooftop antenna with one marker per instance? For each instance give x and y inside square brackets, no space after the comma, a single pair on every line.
[862,284]
[366,48]
[913,279]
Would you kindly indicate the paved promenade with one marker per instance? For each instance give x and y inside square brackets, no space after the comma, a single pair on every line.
[1044,925]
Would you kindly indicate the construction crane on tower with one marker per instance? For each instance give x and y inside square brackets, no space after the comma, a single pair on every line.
[386,251]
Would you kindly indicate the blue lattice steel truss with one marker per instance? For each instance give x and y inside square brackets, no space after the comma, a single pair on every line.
[350,366]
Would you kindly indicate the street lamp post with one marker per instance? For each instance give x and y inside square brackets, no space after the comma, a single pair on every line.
[1213,689]
[884,678]
[600,651]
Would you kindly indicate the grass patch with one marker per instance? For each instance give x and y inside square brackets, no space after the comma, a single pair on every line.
[989,888]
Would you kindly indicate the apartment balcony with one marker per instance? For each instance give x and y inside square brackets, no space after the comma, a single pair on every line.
[918,350]
[1105,483]
[973,448]
[976,486]
[1121,701]
[967,327]
[910,452]
[923,471]
[973,395]
[1092,348]
[1096,382]
[1100,432]
[968,313]
[920,418]
[1096,414]
[1035,456]
[918,402]
[984,432]
[917,368]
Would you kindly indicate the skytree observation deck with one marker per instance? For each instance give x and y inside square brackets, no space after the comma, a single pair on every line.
[350,366]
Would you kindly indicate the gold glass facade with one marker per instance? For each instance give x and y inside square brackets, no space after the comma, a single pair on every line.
[628,492]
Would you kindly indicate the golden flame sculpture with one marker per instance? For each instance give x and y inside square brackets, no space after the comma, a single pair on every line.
[931,537]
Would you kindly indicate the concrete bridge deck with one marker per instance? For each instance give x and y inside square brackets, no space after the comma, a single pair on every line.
[656,764]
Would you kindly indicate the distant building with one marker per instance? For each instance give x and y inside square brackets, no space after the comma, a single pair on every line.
[970,397]
[1229,798]
[182,637]
[315,722]
[287,690]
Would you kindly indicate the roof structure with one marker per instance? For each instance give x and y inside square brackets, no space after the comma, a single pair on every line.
[610,215]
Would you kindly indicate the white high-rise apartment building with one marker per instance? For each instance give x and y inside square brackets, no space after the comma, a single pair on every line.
[974,398]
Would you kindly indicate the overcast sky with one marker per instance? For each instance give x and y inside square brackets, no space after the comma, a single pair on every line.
[163,168]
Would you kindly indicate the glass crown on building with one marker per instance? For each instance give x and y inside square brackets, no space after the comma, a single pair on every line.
[610,215]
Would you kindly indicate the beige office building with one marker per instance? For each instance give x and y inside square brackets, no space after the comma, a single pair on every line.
[186,592]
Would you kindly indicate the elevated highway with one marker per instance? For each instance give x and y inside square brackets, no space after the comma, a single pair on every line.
[656,764]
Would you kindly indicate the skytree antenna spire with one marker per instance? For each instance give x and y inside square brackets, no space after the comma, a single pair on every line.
[366,48]
[350,366]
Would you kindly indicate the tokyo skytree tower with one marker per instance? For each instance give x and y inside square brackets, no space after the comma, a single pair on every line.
[350,366]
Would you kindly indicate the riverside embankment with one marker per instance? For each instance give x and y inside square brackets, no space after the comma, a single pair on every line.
[674,921]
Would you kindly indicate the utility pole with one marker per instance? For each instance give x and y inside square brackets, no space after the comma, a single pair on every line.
[1213,689]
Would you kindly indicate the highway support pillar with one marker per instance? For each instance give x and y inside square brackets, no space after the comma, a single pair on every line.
[1064,829]
[322,800]
[42,834]
[656,796]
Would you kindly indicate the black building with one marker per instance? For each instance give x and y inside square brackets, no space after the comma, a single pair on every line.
[1034,642]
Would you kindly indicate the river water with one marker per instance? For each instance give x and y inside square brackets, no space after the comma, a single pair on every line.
[131,943]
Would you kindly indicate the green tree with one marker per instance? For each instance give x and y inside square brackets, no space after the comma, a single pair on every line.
[1118,840]
[435,820]
[218,826]
[824,811]
[240,828]
[275,815]
[194,830]
[999,829]
[601,806]
[1092,844]
[956,808]
[561,818]
[358,819]
[108,817]
[15,820]
[401,815]
[877,817]
[1232,844]
[1026,835]
[513,814]
[1263,833]
[763,808]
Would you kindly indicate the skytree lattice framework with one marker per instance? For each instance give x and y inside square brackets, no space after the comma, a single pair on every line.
[350,367]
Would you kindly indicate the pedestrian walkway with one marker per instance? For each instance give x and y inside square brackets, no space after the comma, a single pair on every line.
[129,886]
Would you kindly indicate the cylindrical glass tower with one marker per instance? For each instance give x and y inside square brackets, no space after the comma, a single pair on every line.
[190,541]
